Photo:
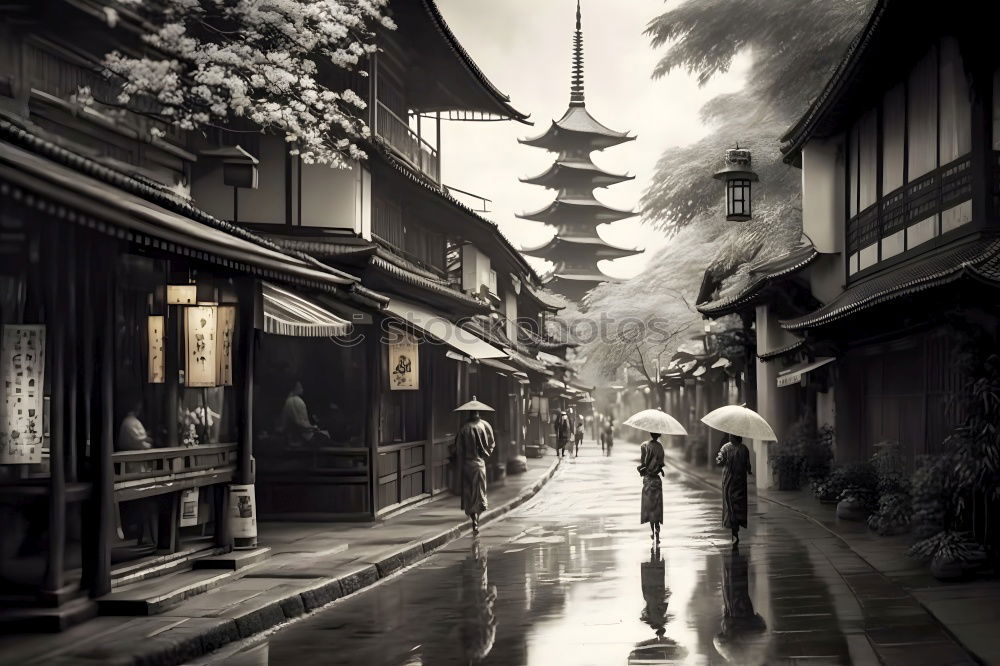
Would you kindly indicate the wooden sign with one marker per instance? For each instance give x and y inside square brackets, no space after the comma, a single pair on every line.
[182,294]
[200,365]
[189,508]
[404,363]
[156,372]
[22,365]
[226,328]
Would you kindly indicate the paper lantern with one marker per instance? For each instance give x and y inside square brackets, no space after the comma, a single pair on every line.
[201,346]
[226,327]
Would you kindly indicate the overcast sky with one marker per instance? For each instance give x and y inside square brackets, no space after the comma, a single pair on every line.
[525,47]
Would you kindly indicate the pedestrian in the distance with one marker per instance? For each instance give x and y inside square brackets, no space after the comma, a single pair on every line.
[578,437]
[650,468]
[474,443]
[608,436]
[563,432]
[734,457]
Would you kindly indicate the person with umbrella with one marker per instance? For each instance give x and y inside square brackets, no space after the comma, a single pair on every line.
[651,461]
[734,457]
[474,443]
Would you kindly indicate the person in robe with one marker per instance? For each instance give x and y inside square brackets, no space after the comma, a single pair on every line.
[578,437]
[650,469]
[294,420]
[564,430]
[474,444]
[658,650]
[734,457]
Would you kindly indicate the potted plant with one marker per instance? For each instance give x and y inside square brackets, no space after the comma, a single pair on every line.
[893,513]
[829,489]
[787,464]
[860,498]
[952,555]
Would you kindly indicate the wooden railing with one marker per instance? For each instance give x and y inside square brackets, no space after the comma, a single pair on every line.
[403,471]
[928,195]
[397,134]
[306,483]
[156,471]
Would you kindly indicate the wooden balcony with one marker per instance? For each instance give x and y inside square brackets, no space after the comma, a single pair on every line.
[406,143]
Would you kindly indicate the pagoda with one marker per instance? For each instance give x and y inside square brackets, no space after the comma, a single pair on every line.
[575,213]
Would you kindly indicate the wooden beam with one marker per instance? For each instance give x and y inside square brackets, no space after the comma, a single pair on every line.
[105,443]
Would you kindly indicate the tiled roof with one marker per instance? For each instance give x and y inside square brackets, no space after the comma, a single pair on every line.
[760,277]
[781,351]
[978,259]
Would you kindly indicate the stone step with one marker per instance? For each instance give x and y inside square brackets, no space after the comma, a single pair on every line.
[157,595]
[32,620]
[234,560]
[155,566]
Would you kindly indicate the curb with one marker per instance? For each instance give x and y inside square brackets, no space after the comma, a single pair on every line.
[185,643]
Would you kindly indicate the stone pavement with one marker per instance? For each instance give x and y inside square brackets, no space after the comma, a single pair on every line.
[968,610]
[312,564]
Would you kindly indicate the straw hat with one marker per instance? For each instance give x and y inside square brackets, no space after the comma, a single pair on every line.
[474,406]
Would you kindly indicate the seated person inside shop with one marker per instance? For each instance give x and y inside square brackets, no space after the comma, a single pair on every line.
[139,517]
[295,424]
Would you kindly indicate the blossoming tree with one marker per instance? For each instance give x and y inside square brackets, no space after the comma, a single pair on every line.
[213,62]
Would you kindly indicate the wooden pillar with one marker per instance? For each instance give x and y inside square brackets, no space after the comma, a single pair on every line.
[373,348]
[430,456]
[248,298]
[104,487]
[55,320]
[750,353]
[72,457]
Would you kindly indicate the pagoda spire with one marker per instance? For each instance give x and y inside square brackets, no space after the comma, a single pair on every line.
[576,82]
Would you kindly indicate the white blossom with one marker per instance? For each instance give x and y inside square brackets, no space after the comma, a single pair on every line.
[212,61]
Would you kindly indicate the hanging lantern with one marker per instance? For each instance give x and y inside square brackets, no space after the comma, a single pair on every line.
[200,331]
[182,294]
[156,372]
[738,176]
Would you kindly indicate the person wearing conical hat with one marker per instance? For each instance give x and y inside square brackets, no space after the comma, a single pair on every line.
[474,443]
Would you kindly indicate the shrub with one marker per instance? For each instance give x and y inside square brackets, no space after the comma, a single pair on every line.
[893,511]
[787,464]
[859,477]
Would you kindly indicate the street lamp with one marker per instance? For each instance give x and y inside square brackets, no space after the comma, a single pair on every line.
[738,176]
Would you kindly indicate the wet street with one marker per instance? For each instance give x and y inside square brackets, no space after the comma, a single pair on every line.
[571,578]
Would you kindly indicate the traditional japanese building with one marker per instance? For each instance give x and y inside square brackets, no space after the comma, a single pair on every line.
[576,213]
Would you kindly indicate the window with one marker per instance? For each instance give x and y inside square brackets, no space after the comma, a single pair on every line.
[738,199]
[918,139]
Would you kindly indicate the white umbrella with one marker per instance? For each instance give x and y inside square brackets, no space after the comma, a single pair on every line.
[656,420]
[738,420]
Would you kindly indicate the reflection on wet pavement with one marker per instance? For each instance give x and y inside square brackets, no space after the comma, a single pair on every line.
[571,578]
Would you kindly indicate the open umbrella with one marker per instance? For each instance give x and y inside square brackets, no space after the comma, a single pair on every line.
[738,420]
[474,406]
[656,420]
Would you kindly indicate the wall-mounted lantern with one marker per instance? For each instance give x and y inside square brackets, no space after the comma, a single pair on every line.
[738,176]
[239,171]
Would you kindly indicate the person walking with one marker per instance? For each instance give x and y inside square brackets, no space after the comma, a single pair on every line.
[650,468]
[474,443]
[578,437]
[608,439]
[734,457]
[563,431]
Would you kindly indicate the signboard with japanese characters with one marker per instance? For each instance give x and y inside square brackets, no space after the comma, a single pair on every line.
[226,327]
[404,363]
[200,367]
[154,330]
[189,507]
[22,365]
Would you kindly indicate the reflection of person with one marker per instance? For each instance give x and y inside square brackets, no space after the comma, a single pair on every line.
[734,456]
[563,430]
[654,592]
[740,624]
[478,625]
[650,468]
[473,444]
[294,420]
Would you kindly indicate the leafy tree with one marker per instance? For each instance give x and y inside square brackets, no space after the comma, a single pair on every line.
[269,62]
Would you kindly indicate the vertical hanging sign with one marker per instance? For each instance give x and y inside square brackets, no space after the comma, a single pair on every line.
[225,327]
[404,363]
[154,331]
[200,365]
[22,365]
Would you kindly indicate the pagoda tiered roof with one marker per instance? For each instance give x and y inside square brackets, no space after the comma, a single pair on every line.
[584,210]
[575,171]
[570,246]
[577,127]
[576,213]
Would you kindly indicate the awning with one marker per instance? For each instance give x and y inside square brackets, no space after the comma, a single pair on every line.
[794,374]
[503,367]
[723,362]
[442,330]
[286,313]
